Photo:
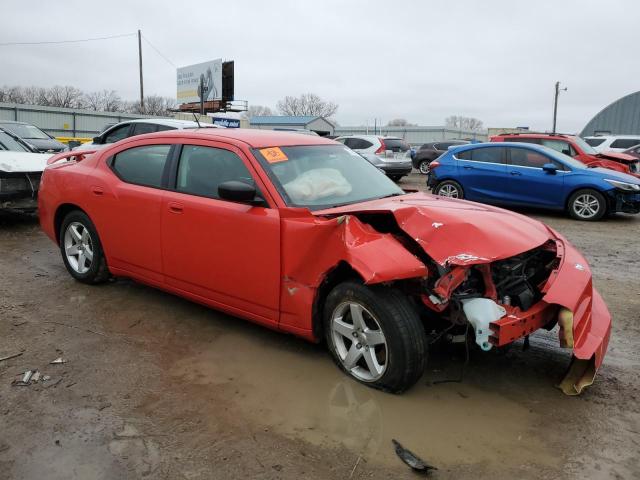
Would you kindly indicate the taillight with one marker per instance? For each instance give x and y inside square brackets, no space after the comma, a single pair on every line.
[383,147]
[434,164]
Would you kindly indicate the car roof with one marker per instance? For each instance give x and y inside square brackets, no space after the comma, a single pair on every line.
[471,146]
[169,122]
[13,121]
[614,137]
[537,135]
[254,138]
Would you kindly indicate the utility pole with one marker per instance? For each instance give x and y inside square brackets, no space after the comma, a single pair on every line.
[555,104]
[140,65]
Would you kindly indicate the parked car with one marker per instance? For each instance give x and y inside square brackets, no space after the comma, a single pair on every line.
[298,234]
[390,154]
[633,151]
[428,152]
[36,138]
[131,128]
[577,148]
[612,143]
[521,174]
[20,172]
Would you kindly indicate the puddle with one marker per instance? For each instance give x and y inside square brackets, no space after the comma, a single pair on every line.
[294,389]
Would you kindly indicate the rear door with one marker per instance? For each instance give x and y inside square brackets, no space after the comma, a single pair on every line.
[225,252]
[482,172]
[529,184]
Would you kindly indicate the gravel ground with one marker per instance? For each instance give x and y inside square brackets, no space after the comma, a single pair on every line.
[155,386]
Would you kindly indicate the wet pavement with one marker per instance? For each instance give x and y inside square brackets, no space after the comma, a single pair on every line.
[158,387]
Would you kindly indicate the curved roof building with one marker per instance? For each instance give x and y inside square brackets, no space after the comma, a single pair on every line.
[622,117]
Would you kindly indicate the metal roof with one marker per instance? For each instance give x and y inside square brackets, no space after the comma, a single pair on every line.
[622,117]
[283,120]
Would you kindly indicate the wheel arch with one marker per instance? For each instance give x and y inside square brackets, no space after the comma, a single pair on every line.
[62,211]
[573,190]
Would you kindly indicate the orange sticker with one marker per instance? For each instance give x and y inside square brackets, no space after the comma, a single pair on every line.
[274,154]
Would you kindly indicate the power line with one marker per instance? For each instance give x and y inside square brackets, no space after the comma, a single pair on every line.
[67,41]
[158,51]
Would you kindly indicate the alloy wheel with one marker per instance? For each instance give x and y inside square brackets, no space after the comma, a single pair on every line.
[586,206]
[359,341]
[424,168]
[448,190]
[78,247]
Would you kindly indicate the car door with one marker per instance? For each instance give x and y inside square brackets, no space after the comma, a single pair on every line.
[482,173]
[529,184]
[224,253]
[127,193]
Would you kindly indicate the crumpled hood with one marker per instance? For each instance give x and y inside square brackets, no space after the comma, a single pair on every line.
[617,156]
[23,161]
[457,232]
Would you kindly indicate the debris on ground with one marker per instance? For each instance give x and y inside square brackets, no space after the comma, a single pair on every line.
[25,380]
[9,357]
[411,459]
[58,361]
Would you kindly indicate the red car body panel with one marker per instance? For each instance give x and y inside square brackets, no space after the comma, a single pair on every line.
[612,160]
[268,265]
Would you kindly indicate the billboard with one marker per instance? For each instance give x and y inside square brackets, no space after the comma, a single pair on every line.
[191,78]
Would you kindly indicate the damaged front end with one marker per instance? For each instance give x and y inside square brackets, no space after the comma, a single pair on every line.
[18,191]
[503,274]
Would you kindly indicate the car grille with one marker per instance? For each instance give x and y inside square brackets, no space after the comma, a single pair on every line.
[20,182]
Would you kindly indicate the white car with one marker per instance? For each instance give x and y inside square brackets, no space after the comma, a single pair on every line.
[20,174]
[615,143]
[390,154]
[131,128]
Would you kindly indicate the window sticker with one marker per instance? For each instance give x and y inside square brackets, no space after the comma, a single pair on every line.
[273,154]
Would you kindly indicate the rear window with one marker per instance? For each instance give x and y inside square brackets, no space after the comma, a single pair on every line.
[594,142]
[625,143]
[396,144]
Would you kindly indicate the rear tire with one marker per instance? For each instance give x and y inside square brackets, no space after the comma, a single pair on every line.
[396,178]
[449,189]
[375,335]
[81,249]
[423,167]
[587,205]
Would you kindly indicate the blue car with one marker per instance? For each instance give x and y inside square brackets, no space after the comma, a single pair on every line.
[521,174]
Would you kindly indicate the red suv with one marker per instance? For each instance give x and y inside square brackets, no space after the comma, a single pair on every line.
[577,148]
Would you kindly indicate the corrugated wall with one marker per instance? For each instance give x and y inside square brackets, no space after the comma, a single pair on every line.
[415,135]
[622,117]
[63,122]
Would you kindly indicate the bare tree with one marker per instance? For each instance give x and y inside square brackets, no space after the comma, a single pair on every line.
[307,104]
[153,105]
[104,101]
[399,122]
[258,111]
[65,96]
[463,123]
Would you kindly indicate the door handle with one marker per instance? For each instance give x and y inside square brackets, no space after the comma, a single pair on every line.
[513,172]
[97,190]
[175,207]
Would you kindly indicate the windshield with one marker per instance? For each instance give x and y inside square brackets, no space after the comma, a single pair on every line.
[324,176]
[7,142]
[566,159]
[594,142]
[584,146]
[26,131]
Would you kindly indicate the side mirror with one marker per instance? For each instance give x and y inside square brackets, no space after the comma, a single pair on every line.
[236,191]
[550,168]
[97,140]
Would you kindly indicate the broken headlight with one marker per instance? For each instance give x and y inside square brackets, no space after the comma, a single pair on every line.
[627,187]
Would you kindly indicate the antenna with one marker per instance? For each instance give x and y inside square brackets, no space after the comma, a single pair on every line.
[196,119]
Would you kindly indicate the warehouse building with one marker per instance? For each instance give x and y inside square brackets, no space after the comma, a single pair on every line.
[416,135]
[320,125]
[622,117]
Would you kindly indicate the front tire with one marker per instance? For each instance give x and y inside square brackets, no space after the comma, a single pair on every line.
[587,204]
[375,335]
[81,249]
[449,189]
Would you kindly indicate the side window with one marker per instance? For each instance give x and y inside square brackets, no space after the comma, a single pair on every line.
[341,140]
[162,128]
[362,144]
[202,169]
[117,134]
[140,128]
[624,143]
[485,155]
[522,157]
[442,146]
[350,142]
[559,146]
[142,165]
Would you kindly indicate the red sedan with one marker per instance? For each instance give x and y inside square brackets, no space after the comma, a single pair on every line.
[301,234]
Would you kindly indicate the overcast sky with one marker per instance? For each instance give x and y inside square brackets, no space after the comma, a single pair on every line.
[420,60]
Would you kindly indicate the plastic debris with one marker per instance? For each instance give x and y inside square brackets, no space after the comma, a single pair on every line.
[58,361]
[408,457]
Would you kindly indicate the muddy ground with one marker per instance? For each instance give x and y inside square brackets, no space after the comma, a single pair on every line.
[158,387]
